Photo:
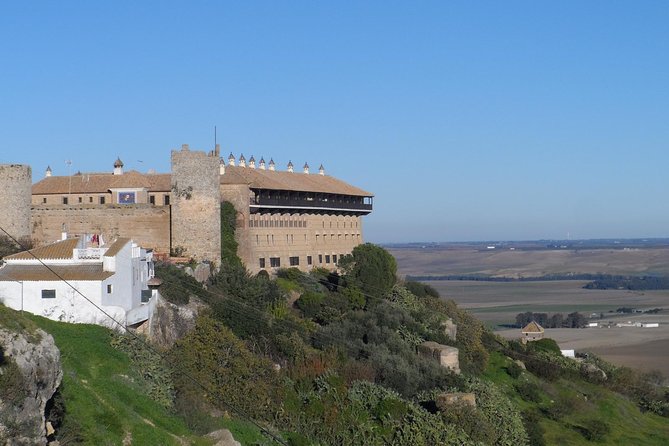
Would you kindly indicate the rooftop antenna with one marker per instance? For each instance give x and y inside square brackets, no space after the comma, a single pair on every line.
[215,137]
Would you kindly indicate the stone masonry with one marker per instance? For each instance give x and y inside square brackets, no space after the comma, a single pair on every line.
[445,355]
[196,204]
[15,198]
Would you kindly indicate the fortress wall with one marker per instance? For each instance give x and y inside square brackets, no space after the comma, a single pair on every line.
[308,235]
[15,198]
[196,204]
[147,225]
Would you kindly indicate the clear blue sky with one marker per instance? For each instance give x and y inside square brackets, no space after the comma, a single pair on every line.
[468,120]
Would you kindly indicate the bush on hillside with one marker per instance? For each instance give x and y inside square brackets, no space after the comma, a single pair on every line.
[371,268]
[177,286]
[232,375]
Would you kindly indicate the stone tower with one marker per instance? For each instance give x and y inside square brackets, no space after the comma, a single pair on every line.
[196,205]
[15,200]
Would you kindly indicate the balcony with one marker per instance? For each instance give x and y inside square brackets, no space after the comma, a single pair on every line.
[312,204]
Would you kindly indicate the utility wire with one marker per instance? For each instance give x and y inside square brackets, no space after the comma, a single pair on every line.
[179,369]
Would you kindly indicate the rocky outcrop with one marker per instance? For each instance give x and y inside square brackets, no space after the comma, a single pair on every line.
[31,373]
[450,329]
[171,322]
[445,355]
[223,437]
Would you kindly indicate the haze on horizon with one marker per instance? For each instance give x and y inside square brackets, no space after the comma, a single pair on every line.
[469,121]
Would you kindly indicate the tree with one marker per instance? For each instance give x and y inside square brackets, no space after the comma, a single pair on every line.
[371,268]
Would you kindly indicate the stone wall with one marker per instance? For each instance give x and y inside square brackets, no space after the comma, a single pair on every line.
[147,225]
[291,234]
[15,198]
[446,356]
[196,204]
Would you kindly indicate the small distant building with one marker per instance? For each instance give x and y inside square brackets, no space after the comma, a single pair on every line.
[52,280]
[532,332]
[568,353]
[593,324]
[650,325]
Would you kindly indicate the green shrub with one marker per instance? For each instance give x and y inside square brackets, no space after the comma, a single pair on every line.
[310,303]
[545,345]
[528,391]
[535,432]
[154,374]
[514,370]
[177,286]
[231,375]
[228,241]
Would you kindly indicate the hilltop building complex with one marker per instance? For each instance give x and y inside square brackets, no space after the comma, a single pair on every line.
[284,218]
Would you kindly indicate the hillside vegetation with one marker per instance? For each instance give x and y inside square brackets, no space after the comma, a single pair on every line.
[326,358]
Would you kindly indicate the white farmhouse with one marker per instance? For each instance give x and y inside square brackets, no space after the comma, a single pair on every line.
[52,280]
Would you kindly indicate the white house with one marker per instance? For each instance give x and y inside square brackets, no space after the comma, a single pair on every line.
[52,280]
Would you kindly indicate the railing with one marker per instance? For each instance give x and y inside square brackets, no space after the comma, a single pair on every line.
[89,253]
[302,203]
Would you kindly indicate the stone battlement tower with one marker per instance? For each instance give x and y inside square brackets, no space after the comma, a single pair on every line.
[15,198]
[196,204]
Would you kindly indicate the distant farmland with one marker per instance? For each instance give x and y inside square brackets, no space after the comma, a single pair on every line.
[497,303]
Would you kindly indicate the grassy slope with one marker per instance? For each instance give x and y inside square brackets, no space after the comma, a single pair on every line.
[103,403]
[628,425]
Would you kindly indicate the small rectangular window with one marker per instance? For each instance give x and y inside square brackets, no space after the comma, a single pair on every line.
[64,200]
[44,200]
[146,296]
[327,258]
[90,199]
[152,199]
[275,262]
[48,294]
[309,262]
[320,258]
[334,258]
[109,288]
[294,261]
[81,199]
[102,200]
[261,261]
[166,200]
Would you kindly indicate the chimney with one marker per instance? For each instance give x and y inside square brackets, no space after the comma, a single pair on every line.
[252,162]
[48,171]
[272,166]
[262,163]
[184,147]
[321,170]
[217,150]
[290,166]
[306,168]
[242,161]
[118,166]
[231,160]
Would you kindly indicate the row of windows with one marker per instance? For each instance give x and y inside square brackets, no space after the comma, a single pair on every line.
[290,238]
[277,223]
[323,259]
[103,200]
[350,224]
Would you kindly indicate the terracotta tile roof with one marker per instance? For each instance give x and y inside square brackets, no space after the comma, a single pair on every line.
[100,183]
[115,247]
[58,250]
[533,327]
[56,272]
[292,181]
